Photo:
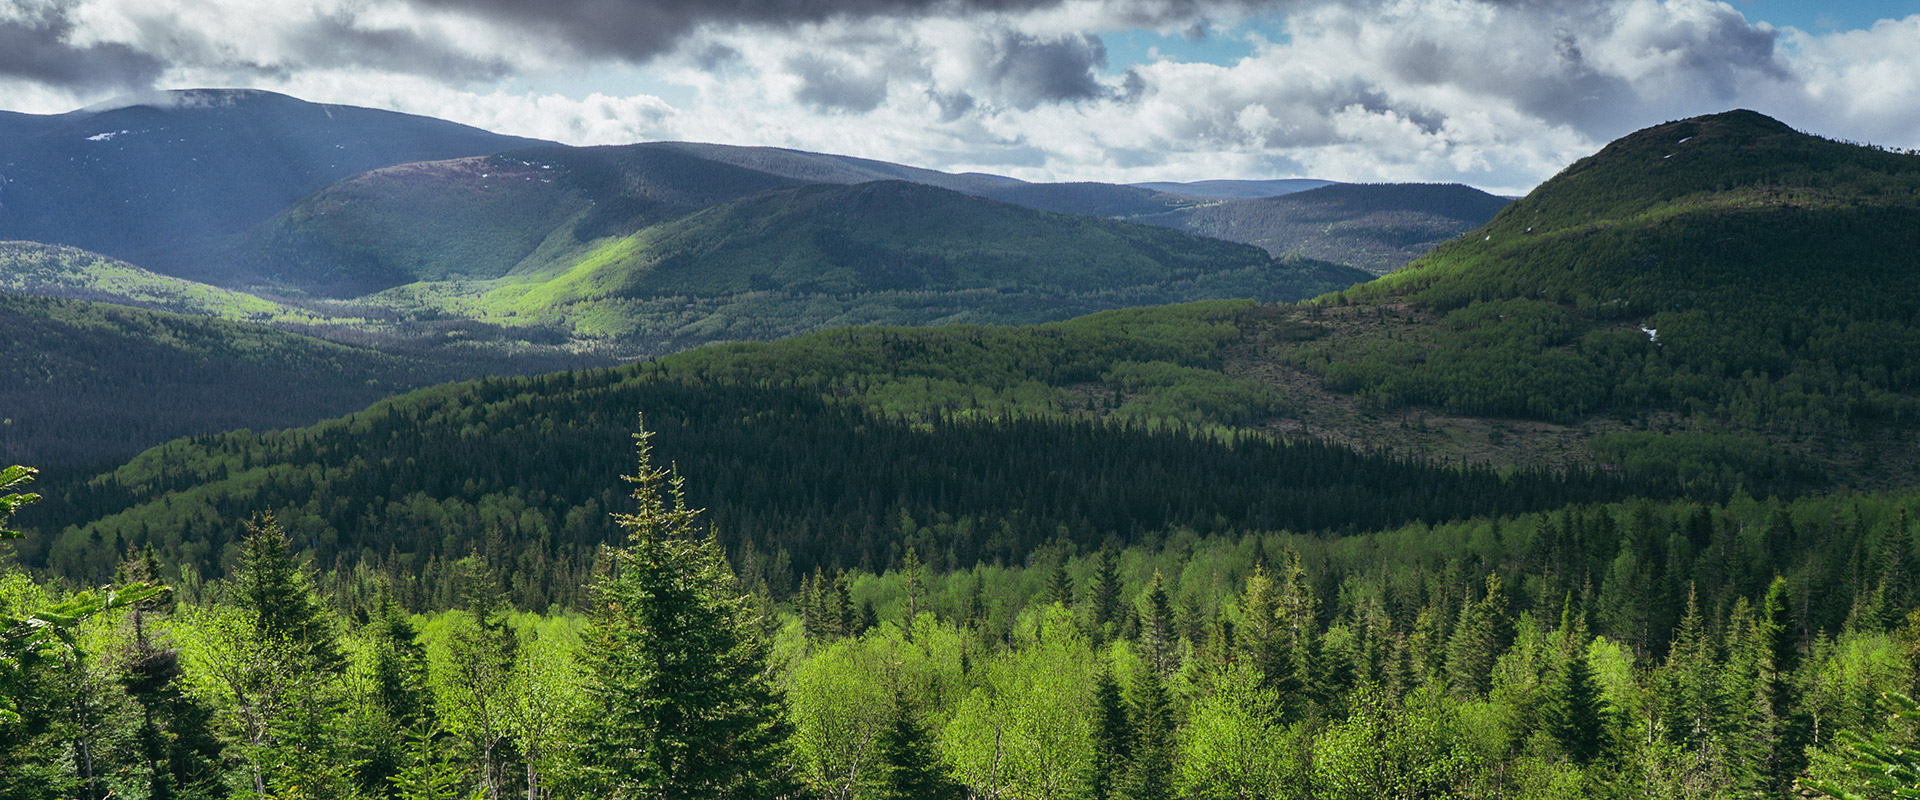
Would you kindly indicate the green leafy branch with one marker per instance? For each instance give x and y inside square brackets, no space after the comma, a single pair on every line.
[1890,766]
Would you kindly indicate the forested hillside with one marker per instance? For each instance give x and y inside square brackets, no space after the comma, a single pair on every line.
[86,383]
[1374,227]
[813,469]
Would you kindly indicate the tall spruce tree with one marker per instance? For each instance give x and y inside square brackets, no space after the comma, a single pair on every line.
[910,767]
[678,702]
[1112,737]
[1150,771]
[1105,595]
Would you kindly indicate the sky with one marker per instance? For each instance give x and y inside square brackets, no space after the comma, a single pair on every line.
[1499,94]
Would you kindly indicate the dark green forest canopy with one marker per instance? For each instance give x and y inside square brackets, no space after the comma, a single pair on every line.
[814,450]
[1726,269]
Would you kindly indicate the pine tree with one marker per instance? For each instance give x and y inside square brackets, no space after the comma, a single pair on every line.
[1477,641]
[1112,737]
[916,584]
[1060,584]
[909,763]
[177,746]
[278,597]
[1106,595]
[1150,771]
[1690,693]
[1263,641]
[1575,712]
[678,702]
[1788,757]
[427,771]
[1161,650]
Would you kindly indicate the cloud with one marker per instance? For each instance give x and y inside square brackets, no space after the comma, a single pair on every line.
[36,44]
[1027,71]
[640,30]
[1497,93]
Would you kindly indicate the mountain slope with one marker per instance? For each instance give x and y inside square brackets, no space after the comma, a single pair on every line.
[887,252]
[70,273]
[974,443]
[1718,274]
[1375,227]
[88,381]
[1232,189]
[148,177]
[478,218]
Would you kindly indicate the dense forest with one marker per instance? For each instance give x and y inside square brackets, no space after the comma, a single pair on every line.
[1633,649]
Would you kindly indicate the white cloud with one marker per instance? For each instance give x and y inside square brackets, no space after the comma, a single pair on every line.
[1497,94]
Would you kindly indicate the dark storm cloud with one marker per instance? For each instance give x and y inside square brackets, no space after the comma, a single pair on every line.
[336,41]
[641,29]
[36,48]
[1027,71]
[837,86]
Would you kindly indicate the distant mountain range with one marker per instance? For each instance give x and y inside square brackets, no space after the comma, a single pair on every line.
[436,251]
[1712,303]
[144,177]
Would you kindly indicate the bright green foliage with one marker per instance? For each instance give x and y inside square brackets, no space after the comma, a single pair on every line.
[1381,750]
[1028,730]
[13,478]
[1234,746]
[1883,764]
[678,703]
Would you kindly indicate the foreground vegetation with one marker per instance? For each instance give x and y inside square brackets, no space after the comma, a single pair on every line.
[1638,649]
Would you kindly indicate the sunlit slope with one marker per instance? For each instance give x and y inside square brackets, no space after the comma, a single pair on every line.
[890,252]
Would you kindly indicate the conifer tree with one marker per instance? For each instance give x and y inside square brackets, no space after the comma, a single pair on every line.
[1262,639]
[909,763]
[177,747]
[677,700]
[1575,712]
[1105,594]
[1161,650]
[1781,633]
[427,771]
[1150,771]
[279,599]
[1112,737]
[1477,641]
[916,584]
[1060,584]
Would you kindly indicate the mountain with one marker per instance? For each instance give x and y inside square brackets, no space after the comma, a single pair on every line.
[1718,276]
[1375,227]
[656,247]
[477,218]
[147,177]
[1230,189]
